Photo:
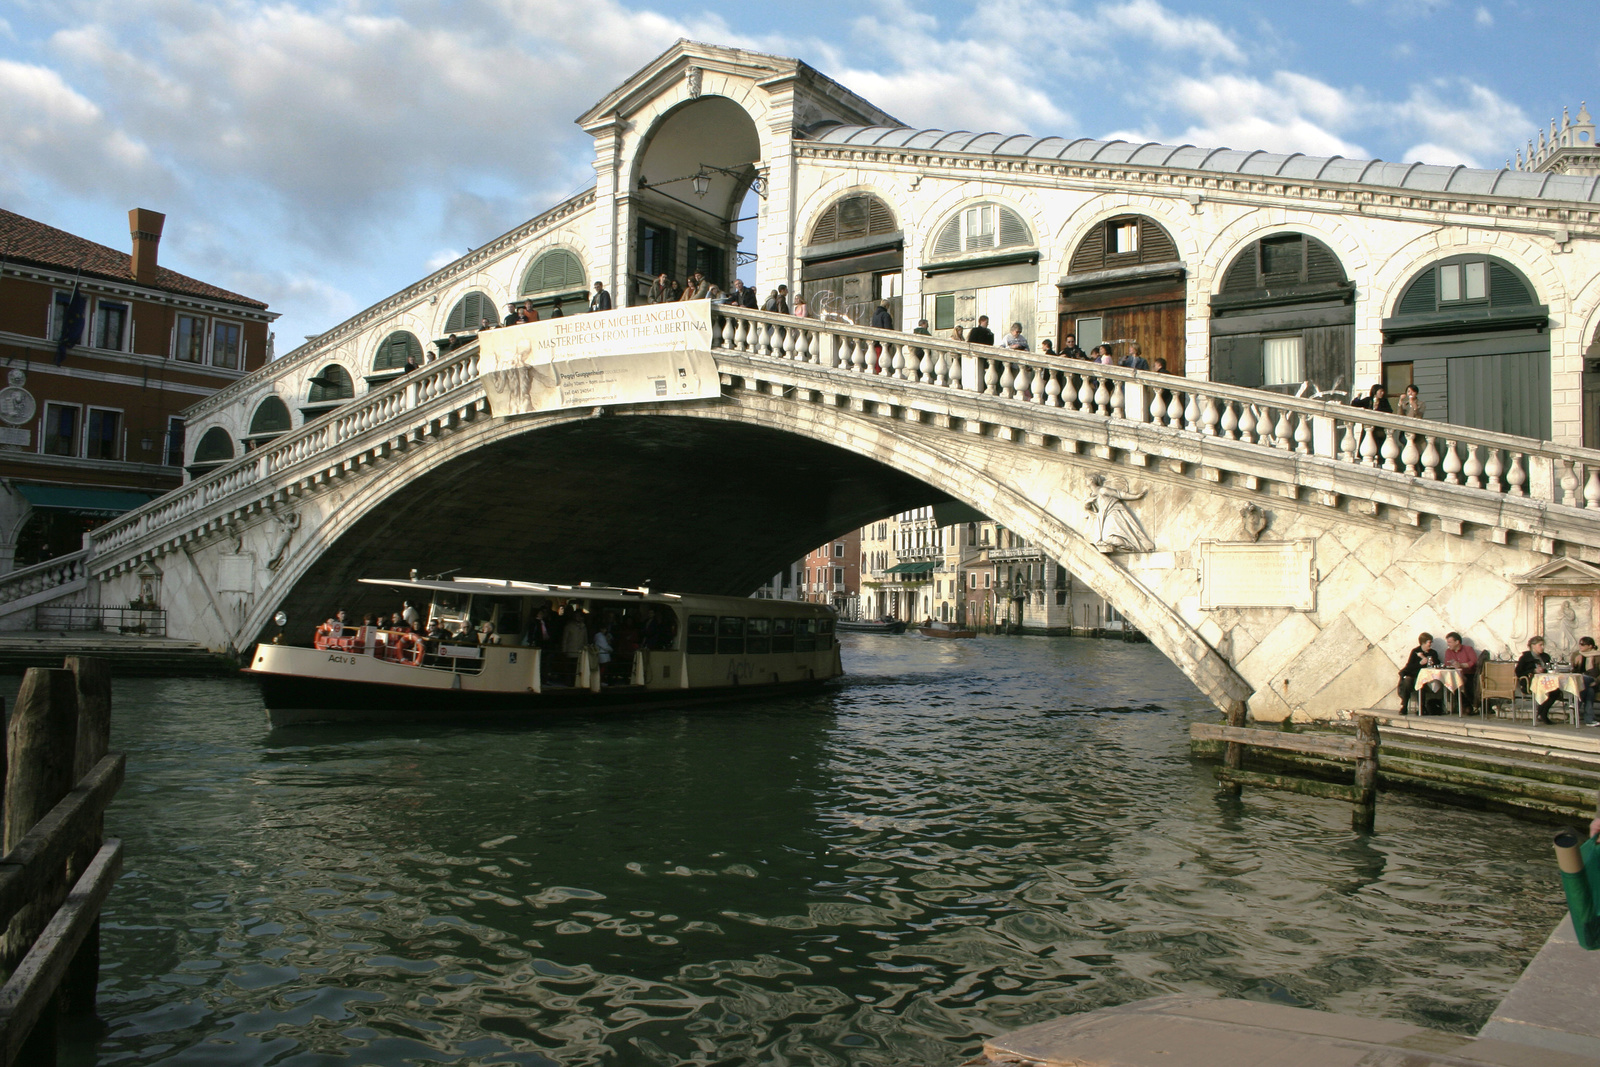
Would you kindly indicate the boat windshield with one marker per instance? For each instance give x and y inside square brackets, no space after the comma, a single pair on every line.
[452,609]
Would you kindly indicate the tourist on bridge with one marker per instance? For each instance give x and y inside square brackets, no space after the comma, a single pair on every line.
[800,309]
[695,287]
[1422,656]
[778,301]
[1135,360]
[981,334]
[1015,340]
[663,290]
[747,298]
[1070,349]
[601,301]
[1536,661]
[1047,347]
[922,328]
[1411,403]
[881,319]
[735,296]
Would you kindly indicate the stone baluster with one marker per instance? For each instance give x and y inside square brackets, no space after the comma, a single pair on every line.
[1452,464]
[1208,416]
[1281,432]
[1492,471]
[1369,447]
[1158,408]
[1430,459]
[1118,400]
[1085,393]
[1390,452]
[991,378]
[1024,382]
[1569,484]
[925,367]
[1247,423]
[1230,421]
[730,331]
[1409,455]
[1191,414]
[813,346]
[942,369]
[1591,489]
[1043,379]
[1052,389]
[1102,398]
[858,355]
[1174,409]
[1007,381]
[1473,470]
[1516,476]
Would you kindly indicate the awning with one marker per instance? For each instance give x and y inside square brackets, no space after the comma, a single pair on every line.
[103,503]
[910,568]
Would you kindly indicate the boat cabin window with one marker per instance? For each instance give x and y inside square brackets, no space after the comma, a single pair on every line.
[702,640]
[453,610]
[730,636]
[824,628]
[504,613]
[783,635]
[804,637]
[758,636]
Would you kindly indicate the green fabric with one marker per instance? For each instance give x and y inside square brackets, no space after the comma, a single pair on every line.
[83,501]
[910,568]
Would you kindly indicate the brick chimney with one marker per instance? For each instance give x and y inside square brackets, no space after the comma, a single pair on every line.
[145,225]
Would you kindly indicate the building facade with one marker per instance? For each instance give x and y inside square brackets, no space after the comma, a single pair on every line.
[93,426]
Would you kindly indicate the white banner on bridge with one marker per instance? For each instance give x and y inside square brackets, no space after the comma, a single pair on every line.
[630,356]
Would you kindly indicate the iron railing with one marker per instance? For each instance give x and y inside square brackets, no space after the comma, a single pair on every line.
[81,617]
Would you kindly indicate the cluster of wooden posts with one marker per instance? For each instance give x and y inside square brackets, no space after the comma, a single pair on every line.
[58,867]
[1363,749]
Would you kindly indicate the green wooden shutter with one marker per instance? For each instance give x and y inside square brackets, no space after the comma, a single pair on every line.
[826,230]
[880,218]
[1091,252]
[1013,231]
[1322,265]
[948,243]
[852,214]
[335,385]
[1421,296]
[1505,288]
[1155,243]
[1237,360]
[272,416]
[1241,277]
[215,447]
[392,353]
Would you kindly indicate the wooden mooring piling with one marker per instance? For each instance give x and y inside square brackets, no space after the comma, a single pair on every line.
[58,867]
[1363,749]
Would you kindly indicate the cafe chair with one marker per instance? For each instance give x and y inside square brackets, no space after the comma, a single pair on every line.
[1498,682]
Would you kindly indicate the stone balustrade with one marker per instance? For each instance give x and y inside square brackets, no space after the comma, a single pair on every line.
[1431,451]
[61,573]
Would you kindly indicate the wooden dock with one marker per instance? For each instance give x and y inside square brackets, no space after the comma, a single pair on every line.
[129,654]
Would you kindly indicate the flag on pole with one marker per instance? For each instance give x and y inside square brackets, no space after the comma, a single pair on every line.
[71,324]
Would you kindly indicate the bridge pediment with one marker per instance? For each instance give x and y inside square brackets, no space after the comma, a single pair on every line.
[1562,571]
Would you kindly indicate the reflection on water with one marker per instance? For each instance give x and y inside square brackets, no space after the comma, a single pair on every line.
[964,838]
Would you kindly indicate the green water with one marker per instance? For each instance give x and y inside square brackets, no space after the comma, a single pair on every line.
[963,838]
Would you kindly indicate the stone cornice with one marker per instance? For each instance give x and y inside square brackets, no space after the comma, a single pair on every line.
[507,243]
[1370,200]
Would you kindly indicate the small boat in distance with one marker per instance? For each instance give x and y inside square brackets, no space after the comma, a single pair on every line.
[870,626]
[521,650]
[944,629]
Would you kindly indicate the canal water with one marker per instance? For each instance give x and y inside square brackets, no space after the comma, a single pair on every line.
[962,838]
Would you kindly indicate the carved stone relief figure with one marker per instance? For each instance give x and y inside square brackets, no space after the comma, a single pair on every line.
[693,76]
[1255,521]
[1114,527]
[287,525]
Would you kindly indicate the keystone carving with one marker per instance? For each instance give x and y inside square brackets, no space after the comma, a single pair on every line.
[1115,527]
[693,76]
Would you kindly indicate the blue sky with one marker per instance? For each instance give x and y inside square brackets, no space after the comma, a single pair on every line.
[321,155]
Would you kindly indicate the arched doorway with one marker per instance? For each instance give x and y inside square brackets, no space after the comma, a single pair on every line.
[983,260]
[853,258]
[1285,316]
[689,184]
[1125,281]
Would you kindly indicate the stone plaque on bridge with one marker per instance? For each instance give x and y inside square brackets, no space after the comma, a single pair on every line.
[236,573]
[1245,574]
[628,356]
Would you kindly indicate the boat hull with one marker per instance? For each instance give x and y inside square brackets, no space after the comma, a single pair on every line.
[929,631]
[294,700]
[846,626]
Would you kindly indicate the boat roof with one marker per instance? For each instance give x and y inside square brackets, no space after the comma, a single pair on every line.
[581,591]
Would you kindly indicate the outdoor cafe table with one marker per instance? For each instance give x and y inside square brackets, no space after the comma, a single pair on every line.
[1542,685]
[1449,677]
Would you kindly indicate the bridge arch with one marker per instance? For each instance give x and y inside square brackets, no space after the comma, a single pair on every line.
[856,470]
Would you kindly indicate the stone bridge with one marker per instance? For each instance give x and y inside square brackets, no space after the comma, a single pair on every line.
[1282,552]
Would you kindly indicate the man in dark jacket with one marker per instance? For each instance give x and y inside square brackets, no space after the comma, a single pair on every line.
[1070,349]
[881,319]
[981,334]
[1536,661]
[601,301]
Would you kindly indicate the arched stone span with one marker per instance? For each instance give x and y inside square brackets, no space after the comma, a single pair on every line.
[733,491]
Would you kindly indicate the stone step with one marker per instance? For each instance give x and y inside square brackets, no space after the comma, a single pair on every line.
[1557,771]
[1567,801]
[128,656]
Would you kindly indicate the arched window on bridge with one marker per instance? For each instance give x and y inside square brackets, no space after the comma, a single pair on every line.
[1470,333]
[1285,316]
[330,387]
[270,420]
[556,280]
[984,260]
[215,449]
[390,359]
[1591,393]
[1124,283]
[468,312]
[855,257]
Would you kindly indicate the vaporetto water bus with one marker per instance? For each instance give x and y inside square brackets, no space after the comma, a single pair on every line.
[488,647]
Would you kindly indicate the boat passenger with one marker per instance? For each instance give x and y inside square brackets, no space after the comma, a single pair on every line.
[602,644]
[574,635]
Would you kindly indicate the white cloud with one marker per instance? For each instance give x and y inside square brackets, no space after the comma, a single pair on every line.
[1148,21]
[1461,123]
[1286,113]
[1482,16]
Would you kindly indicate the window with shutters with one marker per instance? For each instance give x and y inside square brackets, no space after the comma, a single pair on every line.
[1283,259]
[656,246]
[557,269]
[1466,282]
[272,416]
[980,227]
[852,217]
[189,339]
[1126,241]
[1283,361]
[394,349]
[469,313]
[331,383]
[214,447]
